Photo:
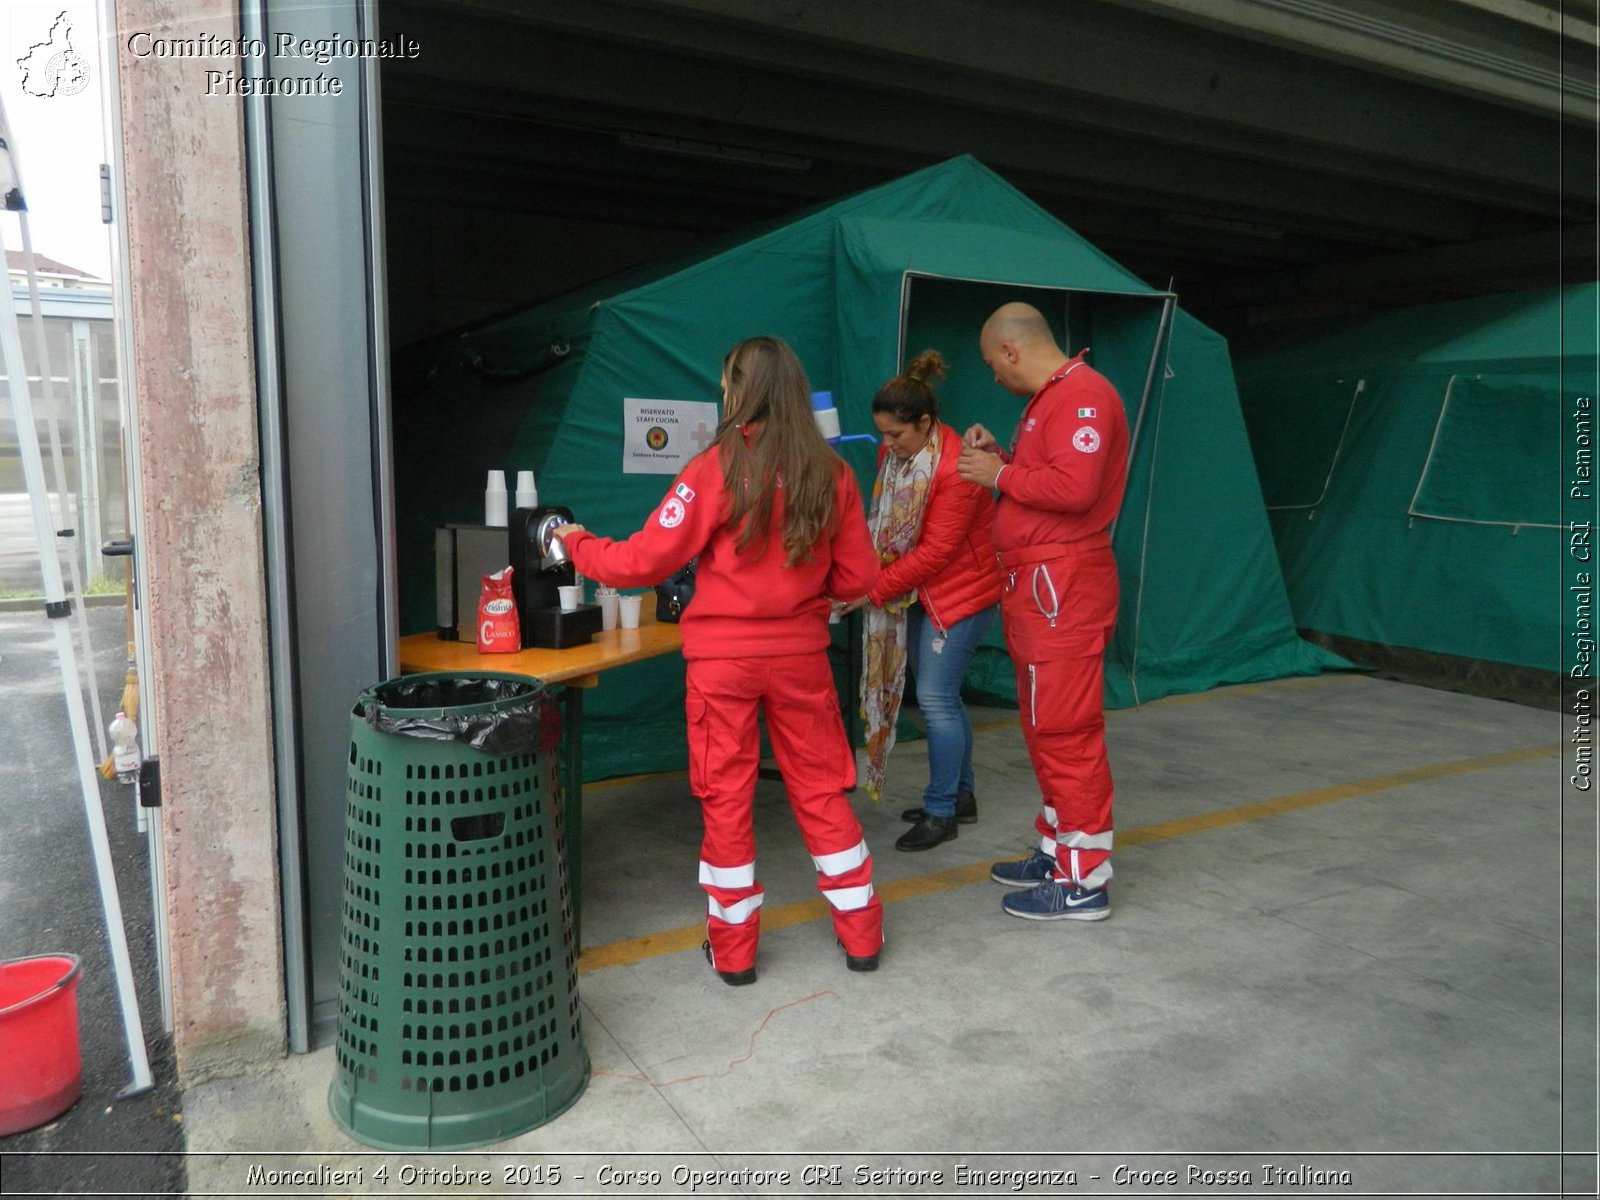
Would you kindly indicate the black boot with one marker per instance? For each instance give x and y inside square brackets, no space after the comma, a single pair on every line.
[966,809]
[859,962]
[927,833]
[731,978]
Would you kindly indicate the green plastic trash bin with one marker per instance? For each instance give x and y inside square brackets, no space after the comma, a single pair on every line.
[458,991]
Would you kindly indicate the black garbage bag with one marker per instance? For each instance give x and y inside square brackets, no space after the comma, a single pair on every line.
[438,707]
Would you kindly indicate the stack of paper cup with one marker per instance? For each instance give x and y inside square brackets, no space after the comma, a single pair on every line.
[527,493]
[606,598]
[628,611]
[494,499]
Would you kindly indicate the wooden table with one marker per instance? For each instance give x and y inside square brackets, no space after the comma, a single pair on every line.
[573,669]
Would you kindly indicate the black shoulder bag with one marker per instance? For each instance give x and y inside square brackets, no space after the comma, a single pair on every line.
[674,593]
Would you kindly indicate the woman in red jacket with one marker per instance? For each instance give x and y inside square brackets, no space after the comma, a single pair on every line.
[776,519]
[935,600]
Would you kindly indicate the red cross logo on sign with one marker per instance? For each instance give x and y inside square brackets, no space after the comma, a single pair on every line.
[1086,440]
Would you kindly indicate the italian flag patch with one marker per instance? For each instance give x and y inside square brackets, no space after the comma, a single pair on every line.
[1085,412]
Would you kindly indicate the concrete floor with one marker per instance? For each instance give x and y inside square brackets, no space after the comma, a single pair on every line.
[1342,928]
[50,903]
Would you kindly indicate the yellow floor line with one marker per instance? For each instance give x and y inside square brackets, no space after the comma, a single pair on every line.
[1295,801]
[1010,722]
[600,785]
[688,937]
[1259,689]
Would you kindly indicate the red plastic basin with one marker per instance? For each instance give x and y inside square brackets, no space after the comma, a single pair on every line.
[43,1072]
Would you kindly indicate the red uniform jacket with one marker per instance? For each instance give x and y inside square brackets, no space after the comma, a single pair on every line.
[745,605]
[1068,467]
[952,566]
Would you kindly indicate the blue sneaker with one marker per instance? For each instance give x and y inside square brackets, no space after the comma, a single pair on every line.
[1053,900]
[1027,872]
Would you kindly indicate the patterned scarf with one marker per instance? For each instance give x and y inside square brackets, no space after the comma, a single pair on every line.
[899,496]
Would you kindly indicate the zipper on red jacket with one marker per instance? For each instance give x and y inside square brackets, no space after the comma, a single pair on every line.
[1033,696]
[927,607]
[940,627]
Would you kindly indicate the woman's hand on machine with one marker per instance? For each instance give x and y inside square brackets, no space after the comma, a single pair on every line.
[563,531]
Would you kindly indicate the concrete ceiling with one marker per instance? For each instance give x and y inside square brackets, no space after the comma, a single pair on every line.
[1272,157]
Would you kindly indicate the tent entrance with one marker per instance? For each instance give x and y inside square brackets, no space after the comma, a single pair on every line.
[1124,334]
[1127,339]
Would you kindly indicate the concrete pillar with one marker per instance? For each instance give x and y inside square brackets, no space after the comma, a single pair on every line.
[201,541]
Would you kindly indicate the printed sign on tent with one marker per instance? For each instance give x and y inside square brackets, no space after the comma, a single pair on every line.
[661,436]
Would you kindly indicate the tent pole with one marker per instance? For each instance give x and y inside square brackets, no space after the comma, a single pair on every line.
[57,607]
[69,516]
[1156,358]
[1144,396]
[1150,373]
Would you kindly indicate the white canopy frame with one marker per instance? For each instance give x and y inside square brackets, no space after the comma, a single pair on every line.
[57,609]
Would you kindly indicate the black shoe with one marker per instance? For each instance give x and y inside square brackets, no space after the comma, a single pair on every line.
[731,978]
[928,833]
[860,962]
[966,810]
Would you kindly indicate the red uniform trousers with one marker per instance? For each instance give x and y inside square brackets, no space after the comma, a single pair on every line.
[796,695]
[1060,666]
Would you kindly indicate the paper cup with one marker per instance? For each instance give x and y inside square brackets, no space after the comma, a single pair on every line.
[527,493]
[494,500]
[628,611]
[608,608]
[571,596]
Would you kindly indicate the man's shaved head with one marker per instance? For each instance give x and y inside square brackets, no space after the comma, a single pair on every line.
[1020,323]
[1017,345]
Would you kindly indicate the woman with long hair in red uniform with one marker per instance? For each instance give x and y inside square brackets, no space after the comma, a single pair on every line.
[776,520]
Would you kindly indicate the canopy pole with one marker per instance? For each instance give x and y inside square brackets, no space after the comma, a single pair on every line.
[1157,357]
[64,517]
[57,608]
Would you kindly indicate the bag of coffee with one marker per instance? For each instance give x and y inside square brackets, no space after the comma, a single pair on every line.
[498,630]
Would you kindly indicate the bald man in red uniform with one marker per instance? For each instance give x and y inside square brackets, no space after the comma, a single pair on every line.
[1060,486]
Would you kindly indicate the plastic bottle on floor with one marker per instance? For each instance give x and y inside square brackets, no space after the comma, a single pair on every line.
[125,747]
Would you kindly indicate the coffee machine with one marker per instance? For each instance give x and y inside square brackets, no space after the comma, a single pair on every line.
[541,567]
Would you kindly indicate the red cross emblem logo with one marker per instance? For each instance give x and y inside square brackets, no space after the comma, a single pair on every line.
[1086,440]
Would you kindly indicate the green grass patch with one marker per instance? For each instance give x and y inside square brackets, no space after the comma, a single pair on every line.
[100,585]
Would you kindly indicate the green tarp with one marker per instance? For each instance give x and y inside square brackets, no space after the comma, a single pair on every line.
[857,287]
[1412,464]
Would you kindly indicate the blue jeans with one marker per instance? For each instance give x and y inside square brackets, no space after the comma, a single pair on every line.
[938,679]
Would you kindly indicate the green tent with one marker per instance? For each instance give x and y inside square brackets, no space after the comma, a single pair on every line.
[1413,470]
[857,287]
